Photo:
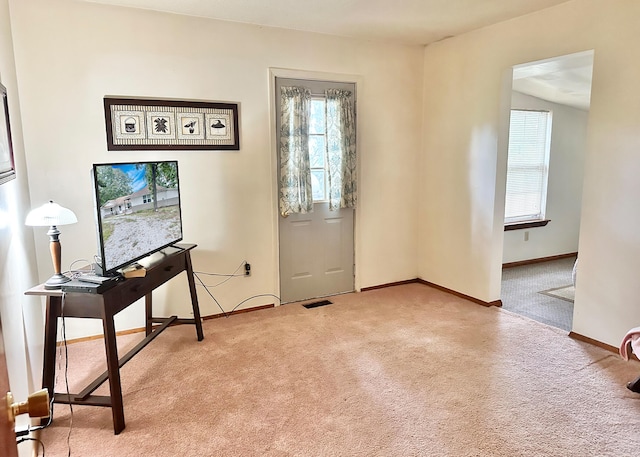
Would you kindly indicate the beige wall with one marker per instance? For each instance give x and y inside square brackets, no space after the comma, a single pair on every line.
[21,316]
[464,157]
[70,54]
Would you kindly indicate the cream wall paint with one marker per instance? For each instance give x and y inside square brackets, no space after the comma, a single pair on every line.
[69,55]
[564,190]
[22,317]
[462,195]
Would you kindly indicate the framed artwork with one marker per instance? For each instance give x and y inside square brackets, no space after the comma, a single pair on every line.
[140,123]
[7,164]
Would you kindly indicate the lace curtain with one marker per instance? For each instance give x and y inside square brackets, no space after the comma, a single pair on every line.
[341,149]
[295,173]
[295,192]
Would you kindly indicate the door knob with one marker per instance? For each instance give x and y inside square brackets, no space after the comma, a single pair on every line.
[37,405]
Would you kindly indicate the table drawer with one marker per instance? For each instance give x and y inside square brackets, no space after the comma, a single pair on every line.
[133,289]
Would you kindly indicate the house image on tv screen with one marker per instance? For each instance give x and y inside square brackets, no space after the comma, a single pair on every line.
[140,200]
[139,209]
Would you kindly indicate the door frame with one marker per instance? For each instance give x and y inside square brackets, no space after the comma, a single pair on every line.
[274,73]
[506,106]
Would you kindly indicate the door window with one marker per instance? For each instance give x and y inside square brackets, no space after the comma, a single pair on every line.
[318,148]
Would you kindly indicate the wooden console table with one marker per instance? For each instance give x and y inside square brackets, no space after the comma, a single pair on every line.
[160,267]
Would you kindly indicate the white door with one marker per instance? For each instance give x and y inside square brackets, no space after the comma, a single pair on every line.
[317,248]
[316,253]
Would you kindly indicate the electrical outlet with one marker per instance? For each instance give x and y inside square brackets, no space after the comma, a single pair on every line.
[247,269]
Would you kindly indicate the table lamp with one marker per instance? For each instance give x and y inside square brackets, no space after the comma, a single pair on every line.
[51,215]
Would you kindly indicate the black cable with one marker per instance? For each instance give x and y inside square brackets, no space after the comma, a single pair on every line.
[221,274]
[22,440]
[255,296]
[40,427]
[229,276]
[222,282]
[51,399]
[66,372]
[216,285]
[210,294]
[232,275]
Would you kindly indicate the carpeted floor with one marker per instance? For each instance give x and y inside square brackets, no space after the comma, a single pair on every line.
[402,371]
[567,293]
[528,290]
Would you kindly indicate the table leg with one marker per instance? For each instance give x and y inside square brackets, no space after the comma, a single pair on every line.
[53,309]
[194,297]
[148,314]
[113,369]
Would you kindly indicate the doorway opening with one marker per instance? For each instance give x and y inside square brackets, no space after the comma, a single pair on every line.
[539,254]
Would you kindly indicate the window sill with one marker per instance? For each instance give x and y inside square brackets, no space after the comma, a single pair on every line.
[526,225]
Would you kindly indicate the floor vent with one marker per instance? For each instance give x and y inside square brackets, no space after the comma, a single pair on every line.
[315,304]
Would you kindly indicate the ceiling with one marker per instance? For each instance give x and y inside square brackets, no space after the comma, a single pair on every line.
[409,22]
[565,80]
[414,22]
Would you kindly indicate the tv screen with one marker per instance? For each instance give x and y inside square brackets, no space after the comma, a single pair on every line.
[137,211]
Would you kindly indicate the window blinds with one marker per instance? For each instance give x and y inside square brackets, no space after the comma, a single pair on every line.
[527,165]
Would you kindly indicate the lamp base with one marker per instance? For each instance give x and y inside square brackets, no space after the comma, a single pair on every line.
[56,281]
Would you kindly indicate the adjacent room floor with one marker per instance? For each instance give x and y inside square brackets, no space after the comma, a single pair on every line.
[541,291]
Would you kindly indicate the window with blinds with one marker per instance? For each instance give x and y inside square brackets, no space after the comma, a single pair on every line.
[527,166]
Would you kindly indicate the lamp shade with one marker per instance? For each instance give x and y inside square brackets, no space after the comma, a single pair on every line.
[50,214]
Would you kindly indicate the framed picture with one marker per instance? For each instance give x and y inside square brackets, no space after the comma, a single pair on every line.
[7,165]
[140,123]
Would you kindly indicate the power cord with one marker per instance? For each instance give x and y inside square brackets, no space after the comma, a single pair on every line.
[22,440]
[66,373]
[74,273]
[229,276]
[252,297]
[210,294]
[77,261]
[30,429]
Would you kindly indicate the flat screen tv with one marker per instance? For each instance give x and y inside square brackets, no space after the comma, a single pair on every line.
[137,207]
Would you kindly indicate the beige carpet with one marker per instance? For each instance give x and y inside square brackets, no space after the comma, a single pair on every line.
[402,371]
[567,293]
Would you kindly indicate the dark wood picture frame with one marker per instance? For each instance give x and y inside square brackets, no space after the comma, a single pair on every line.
[7,163]
[140,123]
